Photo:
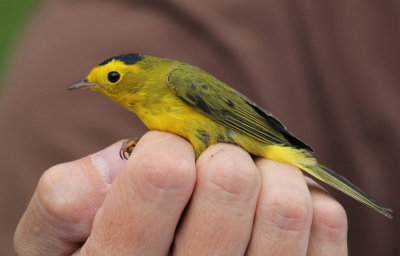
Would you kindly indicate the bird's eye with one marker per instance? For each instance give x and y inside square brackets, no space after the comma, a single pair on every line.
[113,76]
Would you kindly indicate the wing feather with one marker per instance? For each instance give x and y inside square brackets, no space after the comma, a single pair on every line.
[225,105]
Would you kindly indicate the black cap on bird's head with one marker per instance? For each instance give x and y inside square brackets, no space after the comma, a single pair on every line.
[128,59]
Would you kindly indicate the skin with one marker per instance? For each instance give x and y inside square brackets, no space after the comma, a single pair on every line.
[102,205]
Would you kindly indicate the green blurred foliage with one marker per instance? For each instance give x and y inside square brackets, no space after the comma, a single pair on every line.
[13,15]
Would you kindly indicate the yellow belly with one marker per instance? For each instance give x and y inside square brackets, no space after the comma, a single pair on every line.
[172,115]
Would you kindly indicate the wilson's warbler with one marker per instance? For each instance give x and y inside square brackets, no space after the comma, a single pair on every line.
[175,97]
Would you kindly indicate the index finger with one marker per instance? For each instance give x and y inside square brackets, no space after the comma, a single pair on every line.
[140,212]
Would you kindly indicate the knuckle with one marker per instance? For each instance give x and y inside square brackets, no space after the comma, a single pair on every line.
[165,170]
[230,174]
[287,212]
[330,220]
[54,197]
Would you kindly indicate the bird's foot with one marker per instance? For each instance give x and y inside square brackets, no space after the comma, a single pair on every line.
[127,148]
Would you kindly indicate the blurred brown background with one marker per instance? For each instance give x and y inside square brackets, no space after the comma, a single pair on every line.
[328,69]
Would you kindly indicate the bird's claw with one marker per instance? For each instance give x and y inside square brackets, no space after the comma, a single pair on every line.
[127,148]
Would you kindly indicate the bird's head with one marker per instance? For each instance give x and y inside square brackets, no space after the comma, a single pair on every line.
[114,76]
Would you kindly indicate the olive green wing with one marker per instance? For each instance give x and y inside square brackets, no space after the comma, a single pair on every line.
[226,106]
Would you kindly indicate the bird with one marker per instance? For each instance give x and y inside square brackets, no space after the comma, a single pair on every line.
[179,98]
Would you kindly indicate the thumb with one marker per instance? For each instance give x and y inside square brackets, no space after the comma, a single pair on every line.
[60,214]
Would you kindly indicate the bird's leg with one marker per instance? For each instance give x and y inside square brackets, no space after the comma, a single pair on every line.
[127,148]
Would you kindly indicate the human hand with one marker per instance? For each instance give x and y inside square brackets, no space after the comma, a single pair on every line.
[236,206]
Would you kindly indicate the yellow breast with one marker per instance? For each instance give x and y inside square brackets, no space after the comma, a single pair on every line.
[169,113]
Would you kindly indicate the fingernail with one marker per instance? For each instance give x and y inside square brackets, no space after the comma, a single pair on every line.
[108,162]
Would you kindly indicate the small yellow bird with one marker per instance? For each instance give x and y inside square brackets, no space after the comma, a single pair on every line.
[171,96]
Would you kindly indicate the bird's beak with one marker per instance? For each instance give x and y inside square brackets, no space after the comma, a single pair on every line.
[84,84]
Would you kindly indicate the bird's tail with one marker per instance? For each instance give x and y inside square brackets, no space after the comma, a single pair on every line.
[339,182]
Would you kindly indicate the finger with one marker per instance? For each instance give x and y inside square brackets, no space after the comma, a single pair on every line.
[220,216]
[329,225]
[284,211]
[142,208]
[60,213]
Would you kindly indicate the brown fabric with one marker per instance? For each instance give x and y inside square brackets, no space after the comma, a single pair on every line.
[328,69]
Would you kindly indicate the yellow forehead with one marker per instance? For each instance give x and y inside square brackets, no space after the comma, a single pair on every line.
[99,73]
